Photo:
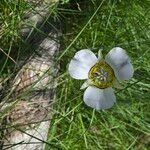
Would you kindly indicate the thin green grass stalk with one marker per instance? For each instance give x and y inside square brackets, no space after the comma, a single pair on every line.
[81,31]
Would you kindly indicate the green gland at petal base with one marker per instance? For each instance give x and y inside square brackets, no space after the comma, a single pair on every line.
[102,75]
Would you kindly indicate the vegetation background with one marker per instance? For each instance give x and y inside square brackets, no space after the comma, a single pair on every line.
[90,24]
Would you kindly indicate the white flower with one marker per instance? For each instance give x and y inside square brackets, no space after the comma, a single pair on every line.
[100,75]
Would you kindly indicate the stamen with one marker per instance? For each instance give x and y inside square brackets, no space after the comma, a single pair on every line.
[102,75]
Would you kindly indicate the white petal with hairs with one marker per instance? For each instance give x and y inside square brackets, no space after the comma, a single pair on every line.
[99,98]
[118,59]
[81,64]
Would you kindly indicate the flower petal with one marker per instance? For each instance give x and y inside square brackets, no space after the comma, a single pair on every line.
[125,72]
[99,98]
[118,59]
[81,64]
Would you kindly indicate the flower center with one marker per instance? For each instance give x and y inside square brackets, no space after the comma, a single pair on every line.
[101,75]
